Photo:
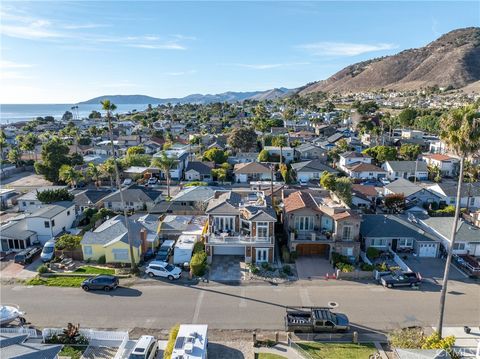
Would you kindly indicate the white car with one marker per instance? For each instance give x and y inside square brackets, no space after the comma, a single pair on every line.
[127,182]
[152,181]
[163,269]
[146,348]
[303,182]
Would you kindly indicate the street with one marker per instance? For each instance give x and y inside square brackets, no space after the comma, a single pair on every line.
[161,305]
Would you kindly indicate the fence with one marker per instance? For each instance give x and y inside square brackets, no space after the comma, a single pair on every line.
[364,257]
[32,333]
[400,262]
[92,335]
[75,254]
[298,348]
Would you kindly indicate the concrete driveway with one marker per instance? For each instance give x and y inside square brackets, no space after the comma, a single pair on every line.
[226,269]
[432,269]
[313,267]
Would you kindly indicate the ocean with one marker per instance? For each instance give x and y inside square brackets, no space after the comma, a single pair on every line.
[14,113]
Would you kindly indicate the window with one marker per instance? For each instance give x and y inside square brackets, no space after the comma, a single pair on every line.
[32,203]
[405,242]
[224,223]
[262,229]
[472,201]
[120,254]
[459,247]
[53,223]
[347,251]
[304,223]
[452,200]
[47,224]
[378,242]
[68,213]
[347,233]
[87,250]
[24,204]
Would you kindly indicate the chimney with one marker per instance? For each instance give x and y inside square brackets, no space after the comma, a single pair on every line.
[143,239]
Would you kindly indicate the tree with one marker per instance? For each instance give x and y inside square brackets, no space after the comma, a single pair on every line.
[108,169]
[460,130]
[407,116]
[395,202]
[285,172]
[135,150]
[220,174]
[434,173]
[14,156]
[3,143]
[343,189]
[165,163]
[109,107]
[67,116]
[243,139]
[54,195]
[94,172]
[54,156]
[382,153]
[409,152]
[215,155]
[95,115]
[328,180]
[68,242]
[263,156]
[69,175]
[280,141]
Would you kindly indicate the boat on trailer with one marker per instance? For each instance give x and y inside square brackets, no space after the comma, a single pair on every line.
[10,313]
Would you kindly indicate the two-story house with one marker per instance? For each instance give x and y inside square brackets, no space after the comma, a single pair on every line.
[318,225]
[351,158]
[286,152]
[29,201]
[448,165]
[242,226]
[180,157]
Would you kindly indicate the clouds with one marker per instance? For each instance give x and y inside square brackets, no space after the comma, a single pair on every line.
[326,48]
[269,66]
[10,70]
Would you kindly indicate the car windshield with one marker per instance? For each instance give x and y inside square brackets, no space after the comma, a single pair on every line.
[137,356]
[164,249]
[48,250]
[169,267]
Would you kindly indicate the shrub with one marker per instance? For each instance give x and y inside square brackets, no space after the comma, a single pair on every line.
[434,341]
[366,267]
[287,269]
[43,269]
[195,184]
[373,253]
[266,266]
[408,338]
[253,268]
[338,258]
[345,267]
[68,242]
[198,247]
[381,267]
[101,260]
[285,255]
[293,255]
[172,337]
[198,264]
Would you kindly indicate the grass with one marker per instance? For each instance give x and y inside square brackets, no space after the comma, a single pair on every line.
[72,352]
[94,270]
[56,281]
[268,356]
[338,350]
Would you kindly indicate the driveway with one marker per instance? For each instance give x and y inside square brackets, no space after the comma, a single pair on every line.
[18,271]
[313,267]
[432,269]
[226,269]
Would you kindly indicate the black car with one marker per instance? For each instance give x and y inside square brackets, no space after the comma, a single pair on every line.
[105,282]
[26,256]
[149,254]
[399,279]
[166,249]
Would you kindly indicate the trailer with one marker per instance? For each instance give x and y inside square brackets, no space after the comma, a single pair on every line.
[184,249]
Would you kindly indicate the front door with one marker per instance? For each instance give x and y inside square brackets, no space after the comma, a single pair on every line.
[261,255]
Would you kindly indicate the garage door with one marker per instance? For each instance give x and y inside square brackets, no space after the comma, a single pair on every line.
[228,251]
[427,250]
[314,249]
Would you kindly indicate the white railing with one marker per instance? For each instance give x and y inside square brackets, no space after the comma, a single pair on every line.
[400,262]
[90,334]
[121,348]
[219,239]
[364,257]
[32,333]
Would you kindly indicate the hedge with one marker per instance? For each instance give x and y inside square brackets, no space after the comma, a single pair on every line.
[172,337]
[198,264]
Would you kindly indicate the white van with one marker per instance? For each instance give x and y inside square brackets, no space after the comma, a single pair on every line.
[48,251]
[146,348]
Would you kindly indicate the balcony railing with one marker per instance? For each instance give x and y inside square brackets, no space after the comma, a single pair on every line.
[237,239]
[312,236]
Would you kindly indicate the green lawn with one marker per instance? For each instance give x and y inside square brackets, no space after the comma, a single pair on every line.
[338,350]
[56,281]
[94,270]
[72,352]
[268,356]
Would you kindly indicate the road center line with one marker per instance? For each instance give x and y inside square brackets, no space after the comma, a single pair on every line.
[197,307]
[305,298]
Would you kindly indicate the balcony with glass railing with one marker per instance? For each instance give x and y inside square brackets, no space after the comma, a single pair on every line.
[237,238]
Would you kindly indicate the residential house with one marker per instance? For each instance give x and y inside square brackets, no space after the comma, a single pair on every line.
[137,198]
[199,171]
[385,232]
[180,156]
[364,171]
[18,346]
[243,157]
[318,225]
[242,226]
[448,165]
[364,196]
[172,226]
[129,141]
[351,158]
[89,198]
[287,152]
[413,193]
[406,169]
[447,191]
[311,170]
[29,201]
[189,201]
[252,171]
[6,195]
[308,151]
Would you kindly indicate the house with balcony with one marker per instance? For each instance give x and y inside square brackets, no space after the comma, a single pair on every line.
[318,225]
[241,225]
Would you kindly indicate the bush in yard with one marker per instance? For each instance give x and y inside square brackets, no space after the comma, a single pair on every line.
[285,254]
[381,267]
[293,255]
[434,341]
[198,247]
[172,337]
[266,266]
[198,264]
[287,269]
[68,242]
[253,268]
[373,253]
[345,267]
[101,260]
[366,267]
[407,338]
[43,269]
[338,258]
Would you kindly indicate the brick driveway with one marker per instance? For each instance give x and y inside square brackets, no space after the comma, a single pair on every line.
[313,267]
[226,269]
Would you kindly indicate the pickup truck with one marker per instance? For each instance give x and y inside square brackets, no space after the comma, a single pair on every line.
[315,320]
[401,279]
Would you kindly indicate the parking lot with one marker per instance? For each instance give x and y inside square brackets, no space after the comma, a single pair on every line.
[431,269]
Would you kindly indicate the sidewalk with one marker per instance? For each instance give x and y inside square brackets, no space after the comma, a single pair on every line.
[280,349]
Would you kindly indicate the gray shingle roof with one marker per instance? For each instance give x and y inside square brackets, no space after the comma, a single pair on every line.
[52,210]
[313,165]
[91,196]
[404,186]
[195,194]
[450,189]
[113,230]
[17,346]
[443,225]
[381,226]
[408,166]
[16,230]
[204,168]
[225,203]
[135,194]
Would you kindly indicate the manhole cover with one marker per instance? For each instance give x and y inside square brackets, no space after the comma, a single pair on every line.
[332,304]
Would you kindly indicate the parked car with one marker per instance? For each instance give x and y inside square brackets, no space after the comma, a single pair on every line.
[165,251]
[303,182]
[146,348]
[27,255]
[48,251]
[127,182]
[401,279]
[372,182]
[314,320]
[163,269]
[385,181]
[102,281]
[149,254]
[152,181]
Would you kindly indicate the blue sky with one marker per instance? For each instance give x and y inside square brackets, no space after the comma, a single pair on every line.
[64,52]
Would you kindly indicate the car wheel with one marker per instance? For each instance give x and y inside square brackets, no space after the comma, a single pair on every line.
[106,289]
[150,275]
[170,277]
[412,285]
[390,285]
[86,288]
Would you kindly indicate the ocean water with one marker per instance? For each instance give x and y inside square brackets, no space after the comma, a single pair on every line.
[14,113]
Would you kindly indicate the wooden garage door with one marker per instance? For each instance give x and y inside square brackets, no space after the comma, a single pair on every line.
[314,249]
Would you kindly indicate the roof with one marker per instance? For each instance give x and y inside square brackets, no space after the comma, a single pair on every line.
[335,137]
[407,166]
[191,342]
[385,226]
[224,203]
[443,226]
[368,191]
[16,230]
[439,157]
[313,165]
[308,147]
[421,354]
[298,200]
[353,154]
[404,186]
[450,189]
[135,194]
[343,215]
[17,346]
[113,230]
[91,196]
[183,224]
[259,214]
[52,210]
[204,168]
[195,194]
[365,167]
[251,167]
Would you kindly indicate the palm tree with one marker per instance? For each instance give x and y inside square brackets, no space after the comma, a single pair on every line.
[108,107]
[94,173]
[460,129]
[165,163]
[108,169]
[280,141]
[69,175]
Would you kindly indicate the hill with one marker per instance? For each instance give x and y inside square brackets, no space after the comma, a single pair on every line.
[453,60]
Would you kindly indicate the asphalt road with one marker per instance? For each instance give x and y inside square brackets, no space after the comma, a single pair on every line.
[160,306]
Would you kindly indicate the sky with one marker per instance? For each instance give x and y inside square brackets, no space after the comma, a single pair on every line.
[66,51]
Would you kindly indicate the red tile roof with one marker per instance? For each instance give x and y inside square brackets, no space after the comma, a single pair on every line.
[438,157]
[298,200]
[368,191]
